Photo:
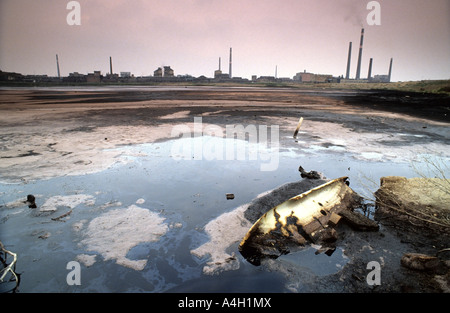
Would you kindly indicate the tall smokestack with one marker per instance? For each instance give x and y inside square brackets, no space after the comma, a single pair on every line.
[231,62]
[110,65]
[57,67]
[358,69]
[347,75]
[369,76]
[390,69]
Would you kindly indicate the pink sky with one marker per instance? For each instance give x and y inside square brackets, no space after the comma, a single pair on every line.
[191,35]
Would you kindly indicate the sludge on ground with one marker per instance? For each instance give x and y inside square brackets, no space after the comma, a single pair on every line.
[117,159]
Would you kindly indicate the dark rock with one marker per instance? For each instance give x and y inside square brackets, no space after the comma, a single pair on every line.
[310,174]
[31,201]
[420,262]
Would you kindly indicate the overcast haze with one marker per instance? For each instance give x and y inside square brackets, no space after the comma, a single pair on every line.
[191,35]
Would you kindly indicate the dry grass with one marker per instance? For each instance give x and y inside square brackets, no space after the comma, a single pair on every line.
[424,86]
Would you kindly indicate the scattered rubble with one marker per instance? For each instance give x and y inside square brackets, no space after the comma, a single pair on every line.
[359,222]
[302,220]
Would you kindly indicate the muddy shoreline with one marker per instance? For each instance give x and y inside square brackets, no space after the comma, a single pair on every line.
[49,133]
[34,121]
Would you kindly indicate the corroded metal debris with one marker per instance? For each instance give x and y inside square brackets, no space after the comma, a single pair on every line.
[301,220]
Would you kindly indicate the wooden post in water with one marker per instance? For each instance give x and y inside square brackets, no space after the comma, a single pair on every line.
[298,127]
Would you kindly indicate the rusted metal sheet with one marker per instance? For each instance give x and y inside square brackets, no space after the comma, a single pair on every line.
[300,220]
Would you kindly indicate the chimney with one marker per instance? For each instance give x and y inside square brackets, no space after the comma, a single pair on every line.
[110,65]
[219,64]
[369,76]
[358,69]
[57,67]
[347,75]
[231,62]
[390,69]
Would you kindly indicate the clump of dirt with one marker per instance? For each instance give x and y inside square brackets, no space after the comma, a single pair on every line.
[417,210]
[423,202]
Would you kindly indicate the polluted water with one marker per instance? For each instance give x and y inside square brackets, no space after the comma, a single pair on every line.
[155,222]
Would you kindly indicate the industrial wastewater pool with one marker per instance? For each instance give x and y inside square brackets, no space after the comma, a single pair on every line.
[183,196]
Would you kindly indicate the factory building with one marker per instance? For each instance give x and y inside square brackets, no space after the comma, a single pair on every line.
[164,72]
[168,72]
[75,77]
[380,79]
[219,75]
[158,72]
[10,76]
[358,78]
[305,77]
[94,78]
[266,79]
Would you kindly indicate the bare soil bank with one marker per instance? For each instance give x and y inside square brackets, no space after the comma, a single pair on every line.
[424,105]
[80,126]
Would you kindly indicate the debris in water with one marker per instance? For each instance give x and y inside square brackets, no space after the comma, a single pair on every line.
[334,219]
[230,196]
[309,175]
[44,236]
[359,222]
[9,268]
[62,216]
[301,220]
[31,201]
[298,127]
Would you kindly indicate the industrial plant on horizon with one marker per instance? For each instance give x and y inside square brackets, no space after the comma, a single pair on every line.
[167,74]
